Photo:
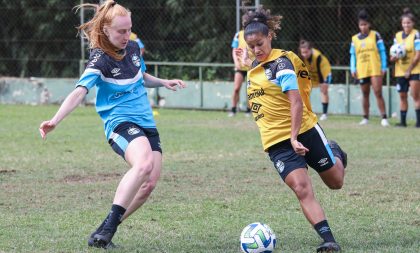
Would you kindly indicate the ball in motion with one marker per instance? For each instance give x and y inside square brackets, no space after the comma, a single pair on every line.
[257,237]
[397,50]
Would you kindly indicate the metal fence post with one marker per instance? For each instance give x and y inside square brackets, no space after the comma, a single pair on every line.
[200,76]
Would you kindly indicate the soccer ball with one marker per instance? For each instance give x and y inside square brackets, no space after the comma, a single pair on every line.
[397,50]
[257,237]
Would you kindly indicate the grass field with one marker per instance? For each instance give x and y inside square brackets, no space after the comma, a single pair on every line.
[216,180]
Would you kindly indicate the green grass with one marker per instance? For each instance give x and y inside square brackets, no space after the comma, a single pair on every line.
[216,179]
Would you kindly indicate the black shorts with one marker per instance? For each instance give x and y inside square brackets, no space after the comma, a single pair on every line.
[364,80]
[403,84]
[125,132]
[242,72]
[319,157]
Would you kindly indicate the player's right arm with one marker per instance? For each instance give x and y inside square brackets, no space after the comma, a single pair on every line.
[69,104]
[353,61]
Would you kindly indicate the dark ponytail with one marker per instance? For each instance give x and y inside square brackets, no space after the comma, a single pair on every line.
[261,21]
[363,16]
[408,14]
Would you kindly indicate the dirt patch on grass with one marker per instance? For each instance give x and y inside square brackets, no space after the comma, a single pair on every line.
[90,178]
[4,171]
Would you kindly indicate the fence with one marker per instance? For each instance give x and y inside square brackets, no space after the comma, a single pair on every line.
[38,38]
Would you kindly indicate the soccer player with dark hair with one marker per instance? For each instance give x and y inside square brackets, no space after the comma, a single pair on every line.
[320,71]
[278,92]
[368,65]
[407,69]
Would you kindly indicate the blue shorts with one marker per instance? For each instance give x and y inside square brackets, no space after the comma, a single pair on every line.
[319,157]
[403,84]
[126,132]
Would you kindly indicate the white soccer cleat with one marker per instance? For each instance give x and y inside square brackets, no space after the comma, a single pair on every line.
[231,114]
[384,123]
[364,122]
[323,117]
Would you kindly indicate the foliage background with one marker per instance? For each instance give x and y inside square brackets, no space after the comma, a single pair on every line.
[38,38]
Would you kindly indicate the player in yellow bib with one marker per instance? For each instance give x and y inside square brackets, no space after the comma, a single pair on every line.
[320,71]
[241,67]
[278,91]
[407,69]
[368,64]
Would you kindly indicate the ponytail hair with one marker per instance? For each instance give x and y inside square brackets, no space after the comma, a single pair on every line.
[93,30]
[261,21]
[363,15]
[408,14]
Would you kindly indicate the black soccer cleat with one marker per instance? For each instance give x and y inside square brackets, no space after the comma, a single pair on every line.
[337,151]
[328,247]
[102,240]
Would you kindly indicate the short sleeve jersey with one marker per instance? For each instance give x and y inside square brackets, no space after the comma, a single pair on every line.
[411,43]
[268,83]
[120,92]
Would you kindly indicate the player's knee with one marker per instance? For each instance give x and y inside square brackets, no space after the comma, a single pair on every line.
[302,190]
[336,184]
[144,169]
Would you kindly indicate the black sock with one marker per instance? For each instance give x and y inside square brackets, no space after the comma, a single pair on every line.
[403,117]
[384,116]
[234,109]
[324,108]
[324,231]
[418,117]
[366,116]
[248,110]
[101,226]
[114,219]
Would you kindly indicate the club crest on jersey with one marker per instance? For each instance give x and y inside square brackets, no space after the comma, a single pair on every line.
[268,73]
[279,166]
[363,44]
[133,130]
[136,60]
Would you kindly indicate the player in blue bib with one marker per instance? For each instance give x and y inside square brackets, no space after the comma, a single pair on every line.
[117,70]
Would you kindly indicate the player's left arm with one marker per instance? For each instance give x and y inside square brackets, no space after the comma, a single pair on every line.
[154,82]
[416,58]
[287,80]
[325,68]
[382,52]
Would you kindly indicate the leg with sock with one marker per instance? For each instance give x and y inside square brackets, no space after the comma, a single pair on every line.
[104,237]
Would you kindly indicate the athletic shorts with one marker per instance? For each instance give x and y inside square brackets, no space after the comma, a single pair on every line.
[126,132]
[242,72]
[319,157]
[403,84]
[364,80]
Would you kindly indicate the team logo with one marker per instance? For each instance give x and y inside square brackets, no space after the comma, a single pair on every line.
[281,65]
[279,166]
[323,162]
[268,73]
[363,44]
[136,60]
[133,131]
[255,107]
[115,72]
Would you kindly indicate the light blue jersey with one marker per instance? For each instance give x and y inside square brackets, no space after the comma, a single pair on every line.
[120,92]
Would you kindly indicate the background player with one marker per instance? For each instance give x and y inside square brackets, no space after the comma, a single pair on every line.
[407,69]
[241,67]
[320,71]
[368,64]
